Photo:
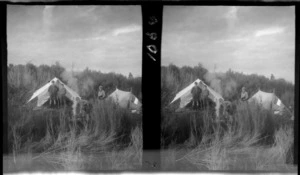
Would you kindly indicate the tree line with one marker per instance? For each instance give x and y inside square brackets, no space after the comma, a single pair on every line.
[23,80]
[228,84]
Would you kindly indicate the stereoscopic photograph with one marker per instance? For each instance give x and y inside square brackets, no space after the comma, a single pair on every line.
[228,88]
[74,88]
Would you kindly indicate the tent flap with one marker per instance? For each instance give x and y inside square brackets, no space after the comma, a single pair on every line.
[42,98]
[39,91]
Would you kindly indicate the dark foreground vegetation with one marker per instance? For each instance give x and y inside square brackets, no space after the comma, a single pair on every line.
[253,140]
[50,140]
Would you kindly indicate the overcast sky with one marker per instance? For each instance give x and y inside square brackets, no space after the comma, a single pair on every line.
[103,38]
[246,39]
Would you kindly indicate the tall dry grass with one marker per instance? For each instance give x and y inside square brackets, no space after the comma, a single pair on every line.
[253,139]
[112,135]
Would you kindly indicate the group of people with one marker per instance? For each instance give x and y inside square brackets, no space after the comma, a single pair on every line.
[57,92]
[200,95]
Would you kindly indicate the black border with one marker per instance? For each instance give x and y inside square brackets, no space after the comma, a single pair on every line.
[151,89]
[3,45]
[150,84]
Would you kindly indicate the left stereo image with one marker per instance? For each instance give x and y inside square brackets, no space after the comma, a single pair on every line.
[74,88]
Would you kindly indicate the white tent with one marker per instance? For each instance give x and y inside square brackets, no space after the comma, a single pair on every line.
[268,101]
[43,95]
[186,97]
[125,100]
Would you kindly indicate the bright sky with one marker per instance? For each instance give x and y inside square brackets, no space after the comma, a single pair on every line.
[102,38]
[246,39]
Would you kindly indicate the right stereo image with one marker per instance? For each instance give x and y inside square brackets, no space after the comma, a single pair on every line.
[228,88]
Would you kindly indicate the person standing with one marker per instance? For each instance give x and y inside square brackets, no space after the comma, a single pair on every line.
[244,94]
[196,92]
[52,90]
[62,94]
[205,94]
[101,93]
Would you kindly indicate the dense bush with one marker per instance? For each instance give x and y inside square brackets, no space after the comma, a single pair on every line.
[228,84]
[23,80]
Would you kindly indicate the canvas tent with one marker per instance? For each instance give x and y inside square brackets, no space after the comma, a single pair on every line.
[125,100]
[186,97]
[268,101]
[43,96]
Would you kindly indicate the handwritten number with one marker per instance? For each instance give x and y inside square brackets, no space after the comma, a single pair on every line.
[151,57]
[153,20]
[152,48]
[152,36]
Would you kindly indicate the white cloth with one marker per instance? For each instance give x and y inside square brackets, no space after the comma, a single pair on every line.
[278,102]
[136,101]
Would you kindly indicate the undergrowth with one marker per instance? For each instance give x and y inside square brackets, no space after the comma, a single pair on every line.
[112,136]
[251,139]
